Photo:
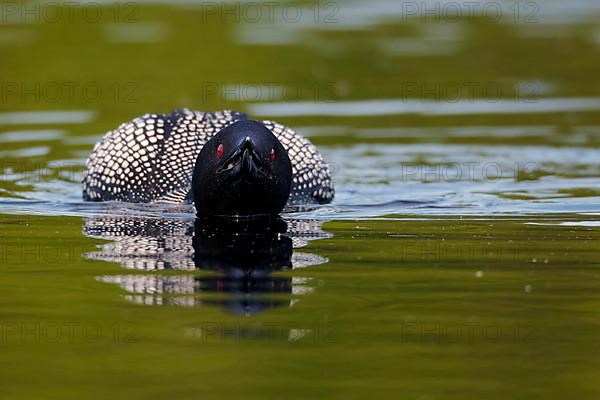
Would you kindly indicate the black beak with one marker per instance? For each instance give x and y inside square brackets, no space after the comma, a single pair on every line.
[247,143]
[245,161]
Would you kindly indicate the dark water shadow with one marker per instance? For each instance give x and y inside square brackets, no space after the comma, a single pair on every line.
[162,254]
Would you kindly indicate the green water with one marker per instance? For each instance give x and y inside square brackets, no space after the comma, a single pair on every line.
[459,259]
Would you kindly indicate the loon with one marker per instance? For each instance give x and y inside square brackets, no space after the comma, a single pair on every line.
[223,162]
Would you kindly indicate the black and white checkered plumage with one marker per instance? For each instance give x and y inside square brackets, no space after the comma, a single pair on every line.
[242,257]
[151,159]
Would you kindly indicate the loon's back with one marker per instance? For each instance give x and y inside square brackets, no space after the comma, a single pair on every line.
[152,159]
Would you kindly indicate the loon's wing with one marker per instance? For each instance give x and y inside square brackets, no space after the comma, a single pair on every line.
[152,157]
[311,175]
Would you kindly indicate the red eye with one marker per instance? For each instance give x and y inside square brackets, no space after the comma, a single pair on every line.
[272,154]
[220,151]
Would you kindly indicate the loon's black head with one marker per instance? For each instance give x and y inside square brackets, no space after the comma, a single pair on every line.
[242,170]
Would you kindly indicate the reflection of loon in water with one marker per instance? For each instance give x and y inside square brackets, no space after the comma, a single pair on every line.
[242,256]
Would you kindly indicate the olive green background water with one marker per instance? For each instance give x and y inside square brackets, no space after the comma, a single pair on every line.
[486,287]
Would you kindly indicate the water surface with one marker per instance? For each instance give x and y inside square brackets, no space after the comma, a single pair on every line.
[458,259]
